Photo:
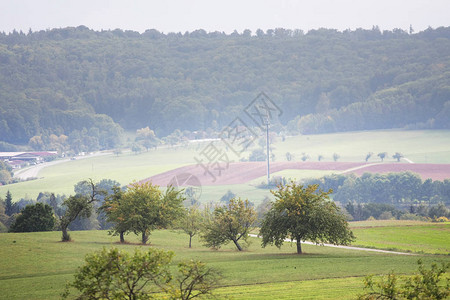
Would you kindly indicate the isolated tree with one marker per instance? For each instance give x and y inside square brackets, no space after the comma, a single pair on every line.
[304,213]
[32,218]
[79,205]
[191,222]
[289,156]
[382,155]
[368,156]
[231,222]
[115,274]
[304,157]
[146,208]
[319,157]
[397,156]
[336,156]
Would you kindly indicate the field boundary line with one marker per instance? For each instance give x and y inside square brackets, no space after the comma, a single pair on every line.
[408,160]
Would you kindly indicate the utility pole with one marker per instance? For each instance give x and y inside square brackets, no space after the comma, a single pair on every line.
[267,123]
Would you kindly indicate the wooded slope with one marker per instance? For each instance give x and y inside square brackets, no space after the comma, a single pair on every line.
[79,82]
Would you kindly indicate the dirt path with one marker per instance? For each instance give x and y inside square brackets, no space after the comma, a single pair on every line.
[349,247]
[358,167]
[408,160]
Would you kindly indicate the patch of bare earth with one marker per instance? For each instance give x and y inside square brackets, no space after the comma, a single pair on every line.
[243,172]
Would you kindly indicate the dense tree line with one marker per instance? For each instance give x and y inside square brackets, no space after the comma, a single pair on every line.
[398,189]
[384,196]
[87,85]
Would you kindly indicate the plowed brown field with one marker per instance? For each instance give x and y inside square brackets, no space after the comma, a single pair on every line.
[243,172]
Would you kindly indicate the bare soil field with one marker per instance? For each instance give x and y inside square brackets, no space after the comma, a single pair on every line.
[243,172]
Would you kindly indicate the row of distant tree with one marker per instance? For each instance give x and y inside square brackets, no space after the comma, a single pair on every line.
[399,189]
[395,195]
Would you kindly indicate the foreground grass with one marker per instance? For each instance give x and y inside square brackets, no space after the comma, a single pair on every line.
[336,288]
[37,265]
[411,236]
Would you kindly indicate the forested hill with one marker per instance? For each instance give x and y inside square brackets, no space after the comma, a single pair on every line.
[79,82]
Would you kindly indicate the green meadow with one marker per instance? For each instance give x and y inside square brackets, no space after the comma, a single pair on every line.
[37,265]
[421,146]
[405,236]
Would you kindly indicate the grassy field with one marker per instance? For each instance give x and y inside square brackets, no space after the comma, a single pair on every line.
[37,265]
[418,237]
[124,168]
[420,146]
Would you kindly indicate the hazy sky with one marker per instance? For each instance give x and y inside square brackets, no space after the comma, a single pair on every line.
[188,15]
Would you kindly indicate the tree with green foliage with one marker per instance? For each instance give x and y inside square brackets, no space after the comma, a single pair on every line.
[145,207]
[136,148]
[32,218]
[79,205]
[437,211]
[3,217]
[304,213]
[147,138]
[382,155]
[289,156]
[6,173]
[225,199]
[426,284]
[10,207]
[336,157]
[115,274]
[191,222]
[232,222]
[115,213]
[397,156]
[257,154]
[390,90]
[304,156]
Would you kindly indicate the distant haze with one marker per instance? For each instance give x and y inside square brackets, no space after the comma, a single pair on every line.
[227,16]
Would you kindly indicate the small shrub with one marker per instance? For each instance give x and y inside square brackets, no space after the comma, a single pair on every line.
[440,219]
[426,284]
[386,215]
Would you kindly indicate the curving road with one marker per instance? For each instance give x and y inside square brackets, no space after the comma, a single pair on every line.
[33,171]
